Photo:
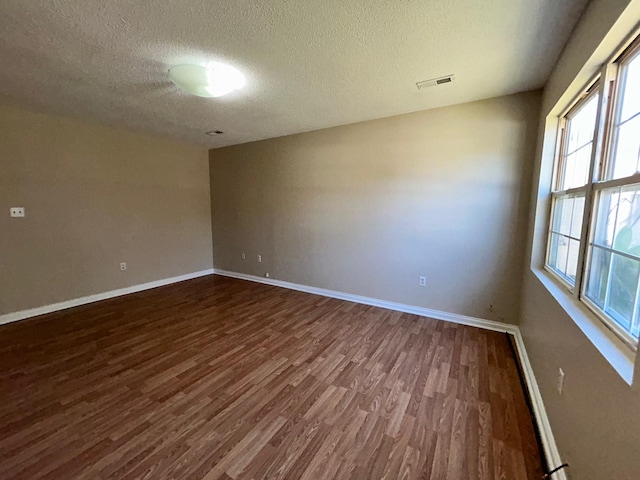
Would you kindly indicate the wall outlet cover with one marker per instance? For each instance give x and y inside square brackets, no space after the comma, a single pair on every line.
[16,212]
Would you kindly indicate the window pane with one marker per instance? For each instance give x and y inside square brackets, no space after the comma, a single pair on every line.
[568,178]
[607,208]
[582,125]
[576,218]
[598,275]
[560,207]
[631,94]
[572,259]
[558,253]
[577,151]
[622,291]
[552,261]
[635,328]
[563,252]
[577,169]
[567,215]
[627,231]
[626,156]
[563,211]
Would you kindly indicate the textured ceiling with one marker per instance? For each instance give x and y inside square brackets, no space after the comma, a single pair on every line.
[309,64]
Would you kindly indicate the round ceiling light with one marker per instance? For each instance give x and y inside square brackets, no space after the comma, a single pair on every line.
[214,80]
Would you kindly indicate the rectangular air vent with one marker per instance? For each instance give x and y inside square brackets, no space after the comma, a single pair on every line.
[435,81]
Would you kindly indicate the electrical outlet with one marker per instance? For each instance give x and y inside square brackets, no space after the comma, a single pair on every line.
[266,275]
[259,258]
[16,212]
[423,281]
[123,266]
[244,257]
[560,381]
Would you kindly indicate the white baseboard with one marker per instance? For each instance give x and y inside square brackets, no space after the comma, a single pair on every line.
[548,441]
[540,413]
[400,307]
[34,312]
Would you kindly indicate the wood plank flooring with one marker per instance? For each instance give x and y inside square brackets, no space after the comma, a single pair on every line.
[217,378]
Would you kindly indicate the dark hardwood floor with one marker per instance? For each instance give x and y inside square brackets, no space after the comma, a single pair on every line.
[216,378]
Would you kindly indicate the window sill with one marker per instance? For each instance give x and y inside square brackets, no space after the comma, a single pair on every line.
[613,349]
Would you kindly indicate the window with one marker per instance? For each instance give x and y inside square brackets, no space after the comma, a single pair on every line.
[576,150]
[594,229]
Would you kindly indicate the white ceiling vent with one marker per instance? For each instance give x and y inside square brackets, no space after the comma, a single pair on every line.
[436,81]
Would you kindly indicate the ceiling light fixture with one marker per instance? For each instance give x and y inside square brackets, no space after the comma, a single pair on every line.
[214,80]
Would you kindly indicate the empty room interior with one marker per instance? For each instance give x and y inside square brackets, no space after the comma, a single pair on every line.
[338,239]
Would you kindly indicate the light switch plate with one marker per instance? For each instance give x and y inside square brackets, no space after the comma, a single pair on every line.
[560,384]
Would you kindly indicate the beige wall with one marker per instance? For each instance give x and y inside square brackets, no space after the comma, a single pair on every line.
[367,208]
[94,197]
[596,421]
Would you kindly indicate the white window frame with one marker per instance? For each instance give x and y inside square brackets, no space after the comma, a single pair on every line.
[557,179]
[605,84]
